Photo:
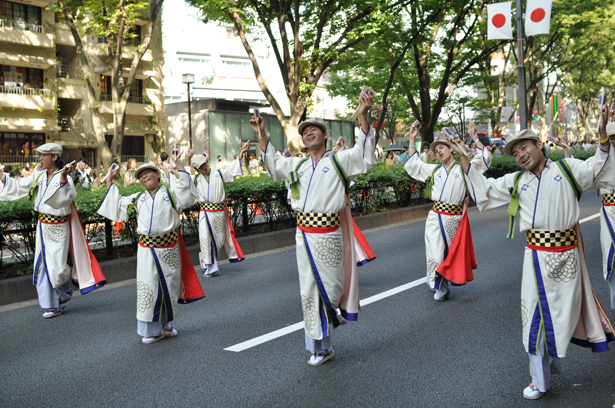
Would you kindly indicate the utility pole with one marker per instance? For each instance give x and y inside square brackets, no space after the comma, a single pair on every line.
[188,79]
[521,69]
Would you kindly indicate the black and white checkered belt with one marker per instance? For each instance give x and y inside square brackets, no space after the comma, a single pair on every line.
[561,238]
[608,199]
[159,241]
[318,220]
[448,208]
[52,219]
[212,206]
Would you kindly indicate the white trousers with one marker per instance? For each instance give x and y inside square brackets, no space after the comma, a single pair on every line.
[543,367]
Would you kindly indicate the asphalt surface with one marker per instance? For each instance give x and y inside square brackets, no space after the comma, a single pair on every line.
[407,350]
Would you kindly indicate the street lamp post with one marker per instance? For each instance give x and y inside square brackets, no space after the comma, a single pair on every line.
[188,79]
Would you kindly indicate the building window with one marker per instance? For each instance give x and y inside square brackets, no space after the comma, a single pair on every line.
[136,40]
[16,144]
[105,86]
[237,63]
[20,16]
[34,78]
[131,145]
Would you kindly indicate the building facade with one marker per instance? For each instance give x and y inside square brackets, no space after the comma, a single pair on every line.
[43,93]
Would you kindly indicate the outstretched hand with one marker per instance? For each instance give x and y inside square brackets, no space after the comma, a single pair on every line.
[472,130]
[604,119]
[244,149]
[457,145]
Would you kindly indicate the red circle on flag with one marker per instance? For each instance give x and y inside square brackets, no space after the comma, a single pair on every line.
[499,20]
[538,15]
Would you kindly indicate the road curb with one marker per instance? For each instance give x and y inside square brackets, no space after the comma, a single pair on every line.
[20,289]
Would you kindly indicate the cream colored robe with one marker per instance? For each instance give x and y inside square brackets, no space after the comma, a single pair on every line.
[321,256]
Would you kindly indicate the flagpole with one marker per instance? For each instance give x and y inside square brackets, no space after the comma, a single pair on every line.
[521,70]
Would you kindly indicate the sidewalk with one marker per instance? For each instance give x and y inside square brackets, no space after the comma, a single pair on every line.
[21,289]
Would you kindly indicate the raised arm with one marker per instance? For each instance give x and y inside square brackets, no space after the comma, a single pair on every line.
[16,189]
[182,187]
[234,169]
[360,159]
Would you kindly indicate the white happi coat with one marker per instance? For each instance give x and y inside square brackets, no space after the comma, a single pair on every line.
[52,239]
[554,286]
[214,228]
[448,187]
[607,241]
[320,256]
[158,269]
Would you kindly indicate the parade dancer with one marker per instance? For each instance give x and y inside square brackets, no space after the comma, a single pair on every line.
[607,224]
[318,185]
[215,228]
[447,187]
[58,232]
[165,275]
[558,305]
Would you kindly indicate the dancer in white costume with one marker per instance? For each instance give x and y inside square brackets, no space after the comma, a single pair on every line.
[607,226]
[319,186]
[557,301]
[446,186]
[58,232]
[215,229]
[161,260]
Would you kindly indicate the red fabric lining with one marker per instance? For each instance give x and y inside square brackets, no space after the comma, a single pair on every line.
[318,230]
[551,249]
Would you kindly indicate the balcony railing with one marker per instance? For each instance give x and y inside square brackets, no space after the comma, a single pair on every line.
[22,25]
[140,159]
[133,42]
[131,99]
[63,68]
[22,90]
[10,159]
[70,124]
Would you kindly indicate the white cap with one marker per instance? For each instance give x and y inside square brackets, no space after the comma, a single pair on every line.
[610,128]
[50,148]
[146,166]
[198,160]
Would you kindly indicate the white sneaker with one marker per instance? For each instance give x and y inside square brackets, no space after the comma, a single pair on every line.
[169,331]
[318,359]
[532,393]
[442,295]
[150,340]
[51,313]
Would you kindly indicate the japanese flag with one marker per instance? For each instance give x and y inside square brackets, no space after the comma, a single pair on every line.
[499,27]
[537,17]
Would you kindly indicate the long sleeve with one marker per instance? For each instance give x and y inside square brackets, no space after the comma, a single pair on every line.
[481,160]
[418,169]
[278,166]
[360,159]
[181,189]
[596,172]
[229,173]
[114,206]
[489,193]
[17,189]
[61,195]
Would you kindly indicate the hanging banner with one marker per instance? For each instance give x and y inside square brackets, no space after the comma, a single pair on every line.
[537,17]
[499,26]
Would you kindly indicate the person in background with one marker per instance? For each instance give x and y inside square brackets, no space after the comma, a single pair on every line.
[25,172]
[129,175]
[423,155]
[220,164]
[80,176]
[390,161]
[253,165]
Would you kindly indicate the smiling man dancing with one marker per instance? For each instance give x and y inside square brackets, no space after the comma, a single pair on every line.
[165,274]
[319,184]
[557,301]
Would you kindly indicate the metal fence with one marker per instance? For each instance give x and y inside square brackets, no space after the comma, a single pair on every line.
[9,158]
[22,25]
[22,90]
[140,159]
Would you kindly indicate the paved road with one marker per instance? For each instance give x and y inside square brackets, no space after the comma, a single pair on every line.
[406,350]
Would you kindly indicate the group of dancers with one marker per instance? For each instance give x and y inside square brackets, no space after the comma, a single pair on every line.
[557,301]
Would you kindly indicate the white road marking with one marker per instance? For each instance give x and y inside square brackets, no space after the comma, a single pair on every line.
[298,326]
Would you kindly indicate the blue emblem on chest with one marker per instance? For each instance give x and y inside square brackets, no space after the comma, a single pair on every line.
[439,175]
[525,187]
[456,175]
[300,173]
[326,169]
[142,199]
[557,178]
[166,198]
[217,174]
[57,184]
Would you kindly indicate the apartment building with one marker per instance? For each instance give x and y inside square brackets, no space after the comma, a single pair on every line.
[43,95]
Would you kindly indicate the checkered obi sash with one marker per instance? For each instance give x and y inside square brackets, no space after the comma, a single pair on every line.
[448,209]
[319,223]
[212,206]
[161,241]
[559,240]
[608,199]
[52,219]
